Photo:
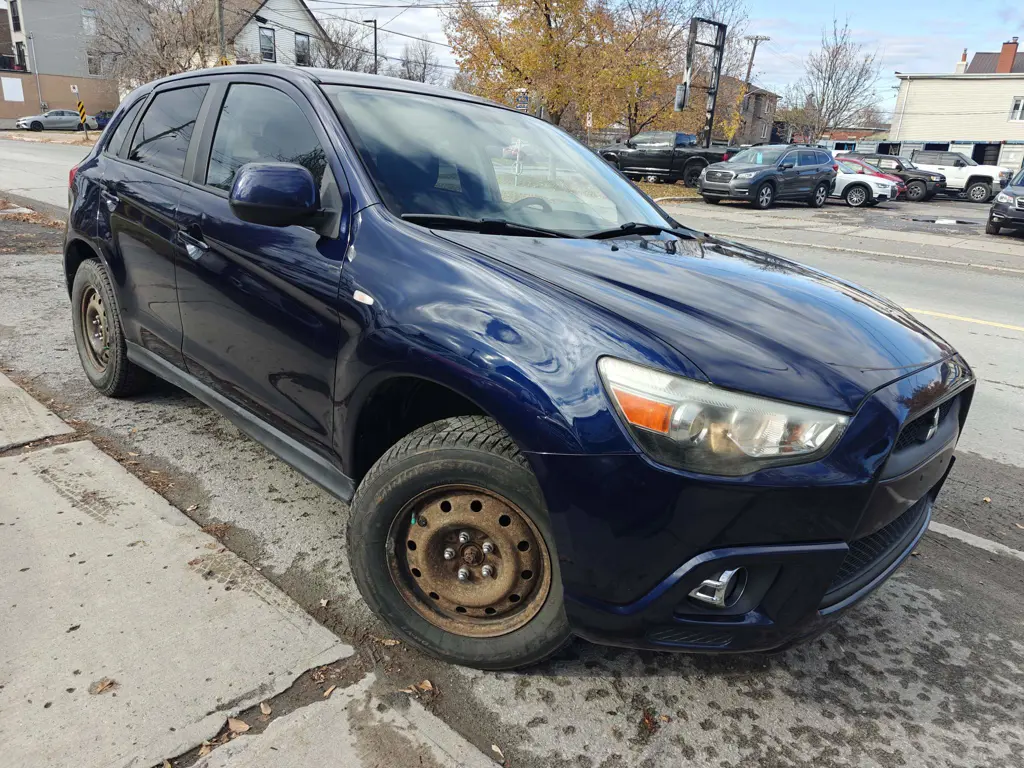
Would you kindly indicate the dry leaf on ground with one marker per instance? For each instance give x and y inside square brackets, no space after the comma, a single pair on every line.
[329,691]
[495,748]
[104,684]
[1019,526]
[265,708]
[323,602]
[192,508]
[167,764]
[987,500]
[425,686]
[205,749]
[237,726]
[391,643]
[195,561]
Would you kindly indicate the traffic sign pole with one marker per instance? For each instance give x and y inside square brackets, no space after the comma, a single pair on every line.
[81,112]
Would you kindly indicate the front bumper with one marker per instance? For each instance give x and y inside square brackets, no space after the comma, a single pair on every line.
[634,538]
[1006,215]
[736,189]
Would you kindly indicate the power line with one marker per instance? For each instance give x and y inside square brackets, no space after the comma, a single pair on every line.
[302,14]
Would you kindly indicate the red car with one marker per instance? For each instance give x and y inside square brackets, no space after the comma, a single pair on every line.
[870,170]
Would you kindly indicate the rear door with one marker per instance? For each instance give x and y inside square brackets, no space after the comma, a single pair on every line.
[142,181]
[809,171]
[258,303]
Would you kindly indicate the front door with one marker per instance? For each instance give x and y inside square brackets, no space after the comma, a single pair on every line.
[790,176]
[137,211]
[258,303]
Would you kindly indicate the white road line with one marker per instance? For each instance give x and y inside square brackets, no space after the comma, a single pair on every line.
[975,541]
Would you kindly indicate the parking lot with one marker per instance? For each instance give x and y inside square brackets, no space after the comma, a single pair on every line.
[927,672]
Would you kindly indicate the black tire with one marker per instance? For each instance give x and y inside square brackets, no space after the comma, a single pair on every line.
[857,195]
[36,126]
[118,377]
[764,197]
[691,174]
[460,451]
[917,192]
[819,196]
[991,228]
[979,192]
[712,200]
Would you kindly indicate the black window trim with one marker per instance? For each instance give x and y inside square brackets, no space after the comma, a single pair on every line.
[273,40]
[107,149]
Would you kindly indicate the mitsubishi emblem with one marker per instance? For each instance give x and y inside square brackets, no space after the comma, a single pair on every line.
[934,426]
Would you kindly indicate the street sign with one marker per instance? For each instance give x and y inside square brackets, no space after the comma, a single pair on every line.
[522,101]
[81,111]
[224,62]
[74,89]
[590,120]
[682,97]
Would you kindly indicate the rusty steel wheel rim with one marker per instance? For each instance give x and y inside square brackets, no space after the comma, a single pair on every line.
[504,563]
[94,328]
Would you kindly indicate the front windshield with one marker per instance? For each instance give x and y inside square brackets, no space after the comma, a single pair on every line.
[431,155]
[1018,180]
[759,156]
[965,158]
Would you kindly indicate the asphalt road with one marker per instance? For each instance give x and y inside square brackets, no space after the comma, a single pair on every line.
[38,170]
[927,672]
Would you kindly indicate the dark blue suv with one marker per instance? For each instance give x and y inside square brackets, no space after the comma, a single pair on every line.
[553,409]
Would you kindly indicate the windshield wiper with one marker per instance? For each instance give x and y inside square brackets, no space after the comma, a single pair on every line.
[484,226]
[636,228]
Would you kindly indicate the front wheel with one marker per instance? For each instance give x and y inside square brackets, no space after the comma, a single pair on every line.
[764,196]
[991,228]
[856,196]
[450,545]
[979,192]
[819,197]
[36,126]
[916,191]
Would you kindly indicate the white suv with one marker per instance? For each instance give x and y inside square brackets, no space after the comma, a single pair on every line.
[977,182]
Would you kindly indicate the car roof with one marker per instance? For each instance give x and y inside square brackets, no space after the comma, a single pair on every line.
[327,76]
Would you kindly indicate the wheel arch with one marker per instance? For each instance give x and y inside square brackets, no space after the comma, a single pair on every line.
[854,185]
[979,178]
[77,251]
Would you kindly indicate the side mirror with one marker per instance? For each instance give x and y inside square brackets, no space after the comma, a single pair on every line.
[630,144]
[960,164]
[275,194]
[786,165]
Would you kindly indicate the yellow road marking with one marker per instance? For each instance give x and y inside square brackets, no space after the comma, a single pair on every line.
[966,319]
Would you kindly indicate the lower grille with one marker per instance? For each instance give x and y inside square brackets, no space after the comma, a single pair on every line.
[916,432]
[686,636]
[719,176]
[1020,203]
[872,554]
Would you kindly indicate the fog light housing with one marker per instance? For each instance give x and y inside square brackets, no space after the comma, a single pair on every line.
[723,590]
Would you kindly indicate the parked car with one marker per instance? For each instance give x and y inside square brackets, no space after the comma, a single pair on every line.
[56,119]
[978,183]
[663,156]
[102,118]
[860,187]
[551,413]
[1007,211]
[922,185]
[771,172]
[865,168]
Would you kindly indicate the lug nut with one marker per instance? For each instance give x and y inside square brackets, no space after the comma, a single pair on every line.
[463,573]
[487,547]
[464,537]
[487,571]
[449,554]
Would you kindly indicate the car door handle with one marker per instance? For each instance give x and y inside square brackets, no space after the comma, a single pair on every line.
[194,247]
[111,200]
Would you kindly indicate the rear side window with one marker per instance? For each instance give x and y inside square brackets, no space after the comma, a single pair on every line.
[931,158]
[824,158]
[806,157]
[259,124]
[121,129]
[890,165]
[162,138]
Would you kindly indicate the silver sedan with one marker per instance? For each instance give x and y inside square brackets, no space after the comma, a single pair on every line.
[55,120]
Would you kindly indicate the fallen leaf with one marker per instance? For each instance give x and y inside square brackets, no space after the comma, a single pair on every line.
[212,545]
[329,691]
[425,686]
[666,719]
[104,684]
[494,748]
[192,508]
[987,500]
[195,561]
[135,454]
[408,690]
[205,749]
[1019,526]
[167,764]
[237,726]
[265,708]
[323,602]
[389,642]
[915,553]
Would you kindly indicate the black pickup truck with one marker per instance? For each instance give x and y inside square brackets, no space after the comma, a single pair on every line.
[664,156]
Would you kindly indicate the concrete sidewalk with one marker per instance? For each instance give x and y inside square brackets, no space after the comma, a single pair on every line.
[130,636]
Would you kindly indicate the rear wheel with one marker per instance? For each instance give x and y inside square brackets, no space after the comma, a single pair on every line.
[820,196]
[916,191]
[856,196]
[979,192]
[991,228]
[764,196]
[691,174]
[450,544]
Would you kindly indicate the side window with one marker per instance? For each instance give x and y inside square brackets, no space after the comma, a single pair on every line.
[644,139]
[162,138]
[806,157]
[259,124]
[790,158]
[824,158]
[889,165]
[121,129]
[928,158]
[268,47]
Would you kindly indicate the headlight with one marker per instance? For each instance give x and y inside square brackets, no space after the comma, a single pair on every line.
[1002,197]
[703,172]
[699,427]
[935,178]
[747,175]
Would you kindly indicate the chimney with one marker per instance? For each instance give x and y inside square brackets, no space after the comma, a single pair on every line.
[961,66]
[1006,57]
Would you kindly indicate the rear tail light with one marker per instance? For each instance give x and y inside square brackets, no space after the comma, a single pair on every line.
[835,167]
[71,175]
[725,156]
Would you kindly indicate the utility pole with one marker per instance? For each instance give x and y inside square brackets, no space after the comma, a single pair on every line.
[755,39]
[220,34]
[35,69]
[374,22]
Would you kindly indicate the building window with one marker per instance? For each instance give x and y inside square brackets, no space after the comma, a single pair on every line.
[1017,112]
[94,63]
[19,55]
[89,20]
[15,15]
[267,47]
[301,49]
[764,130]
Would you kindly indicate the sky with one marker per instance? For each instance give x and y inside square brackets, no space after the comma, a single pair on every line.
[909,35]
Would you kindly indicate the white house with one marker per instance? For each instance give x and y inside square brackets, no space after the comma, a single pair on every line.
[272,31]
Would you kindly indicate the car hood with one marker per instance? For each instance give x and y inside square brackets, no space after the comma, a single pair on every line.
[748,320]
[32,117]
[919,173]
